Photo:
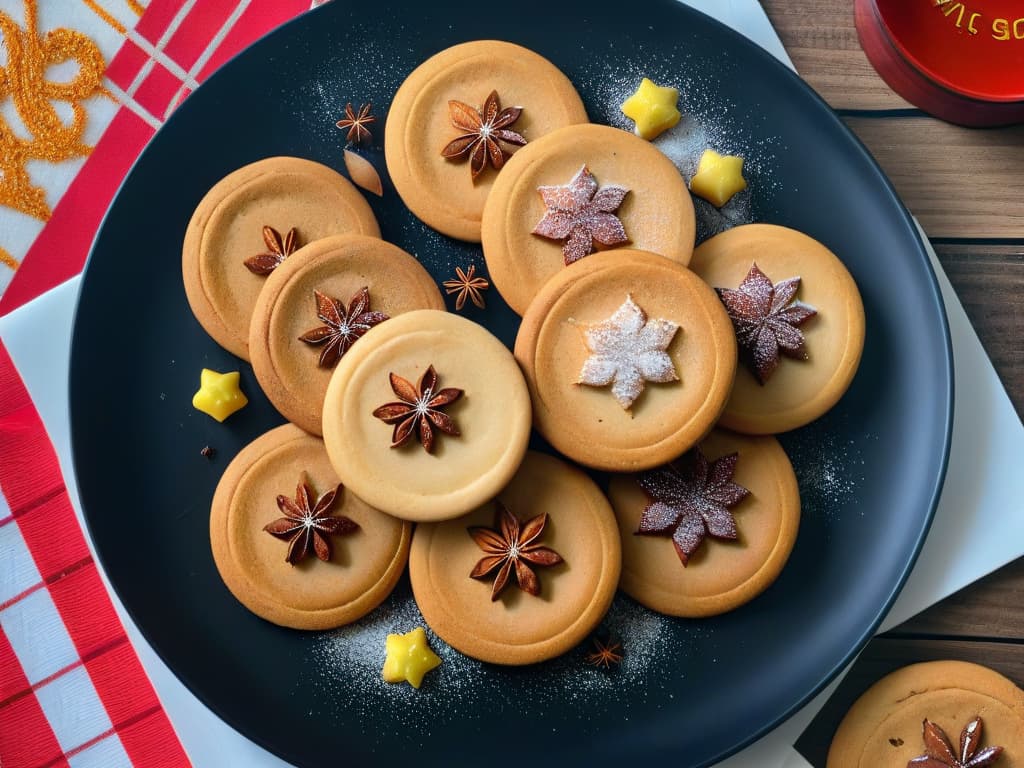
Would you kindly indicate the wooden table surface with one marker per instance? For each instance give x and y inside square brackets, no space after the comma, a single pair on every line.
[966,186]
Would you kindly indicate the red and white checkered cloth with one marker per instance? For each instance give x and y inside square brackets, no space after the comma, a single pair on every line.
[72,690]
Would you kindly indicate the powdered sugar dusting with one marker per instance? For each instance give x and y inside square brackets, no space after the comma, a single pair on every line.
[708,122]
[626,350]
[348,662]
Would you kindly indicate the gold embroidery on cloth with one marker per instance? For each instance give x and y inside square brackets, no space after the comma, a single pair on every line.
[23,78]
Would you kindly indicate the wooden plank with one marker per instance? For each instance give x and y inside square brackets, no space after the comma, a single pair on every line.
[821,38]
[989,279]
[959,182]
[883,655]
[992,608]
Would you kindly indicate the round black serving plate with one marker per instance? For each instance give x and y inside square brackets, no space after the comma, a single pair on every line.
[692,691]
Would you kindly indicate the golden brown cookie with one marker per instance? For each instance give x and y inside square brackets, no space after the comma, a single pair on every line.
[653,341]
[586,187]
[885,726]
[227,229]
[283,577]
[796,391]
[459,445]
[318,303]
[444,192]
[553,595]
[752,504]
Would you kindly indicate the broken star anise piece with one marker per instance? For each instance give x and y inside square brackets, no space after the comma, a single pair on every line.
[511,547]
[579,213]
[343,327]
[938,751]
[278,249]
[419,409]
[467,286]
[483,133]
[766,319]
[306,525]
[690,498]
[357,123]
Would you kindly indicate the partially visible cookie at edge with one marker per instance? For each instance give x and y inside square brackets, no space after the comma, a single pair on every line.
[885,727]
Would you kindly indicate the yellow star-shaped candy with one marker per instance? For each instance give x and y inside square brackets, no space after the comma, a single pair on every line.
[718,177]
[652,108]
[409,658]
[219,394]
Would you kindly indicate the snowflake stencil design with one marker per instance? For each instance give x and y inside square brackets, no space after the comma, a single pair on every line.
[626,350]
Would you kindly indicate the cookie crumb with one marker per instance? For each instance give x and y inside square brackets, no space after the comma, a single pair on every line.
[208,452]
[896,742]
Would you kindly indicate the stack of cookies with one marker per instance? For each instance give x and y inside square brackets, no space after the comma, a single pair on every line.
[669,368]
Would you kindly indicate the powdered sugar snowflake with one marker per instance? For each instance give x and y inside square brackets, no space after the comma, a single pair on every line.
[626,350]
[579,213]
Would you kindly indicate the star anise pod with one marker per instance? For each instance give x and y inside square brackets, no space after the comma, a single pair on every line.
[357,123]
[606,652]
[419,408]
[580,213]
[278,249]
[509,548]
[482,133]
[306,525]
[689,498]
[467,285]
[938,752]
[766,319]
[343,327]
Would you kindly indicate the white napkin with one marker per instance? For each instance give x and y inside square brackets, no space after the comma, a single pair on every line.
[972,533]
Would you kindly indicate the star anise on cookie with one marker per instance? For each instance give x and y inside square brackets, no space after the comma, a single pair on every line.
[483,133]
[306,524]
[510,547]
[689,499]
[580,213]
[467,286]
[766,320]
[356,123]
[419,410]
[278,249]
[938,751]
[626,350]
[343,327]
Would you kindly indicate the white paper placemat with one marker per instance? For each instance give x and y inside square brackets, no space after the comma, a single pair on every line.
[972,534]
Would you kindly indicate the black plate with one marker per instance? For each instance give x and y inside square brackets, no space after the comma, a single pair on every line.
[691,691]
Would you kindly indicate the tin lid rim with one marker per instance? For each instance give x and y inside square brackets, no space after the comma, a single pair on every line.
[939,79]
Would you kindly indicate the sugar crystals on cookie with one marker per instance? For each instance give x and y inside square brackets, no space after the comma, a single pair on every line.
[626,350]
[579,213]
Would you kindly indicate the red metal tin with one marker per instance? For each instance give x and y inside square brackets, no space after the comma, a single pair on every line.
[961,60]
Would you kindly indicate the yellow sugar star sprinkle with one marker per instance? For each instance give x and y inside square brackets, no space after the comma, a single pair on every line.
[219,395]
[653,109]
[409,658]
[718,177]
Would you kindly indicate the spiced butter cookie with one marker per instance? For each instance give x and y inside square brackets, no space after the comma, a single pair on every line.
[630,358]
[248,223]
[459,116]
[293,545]
[319,303]
[577,190]
[798,318]
[710,531]
[427,417]
[523,578]
[940,713]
